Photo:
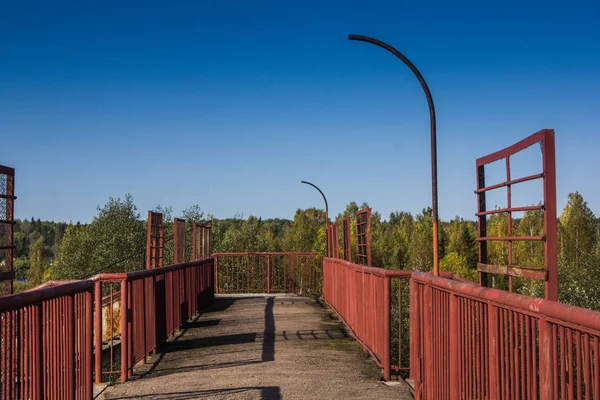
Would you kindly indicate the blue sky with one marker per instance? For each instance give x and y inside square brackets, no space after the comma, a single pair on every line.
[229,104]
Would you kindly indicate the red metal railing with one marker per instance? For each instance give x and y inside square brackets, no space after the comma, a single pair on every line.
[362,298]
[157,303]
[473,342]
[273,272]
[46,343]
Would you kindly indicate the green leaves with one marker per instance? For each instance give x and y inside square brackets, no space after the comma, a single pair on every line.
[38,262]
[578,251]
[114,241]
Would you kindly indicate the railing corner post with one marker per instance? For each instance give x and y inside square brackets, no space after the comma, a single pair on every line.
[415,337]
[124,333]
[89,341]
[216,278]
[98,331]
[387,367]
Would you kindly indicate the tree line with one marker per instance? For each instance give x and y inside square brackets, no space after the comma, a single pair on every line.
[115,241]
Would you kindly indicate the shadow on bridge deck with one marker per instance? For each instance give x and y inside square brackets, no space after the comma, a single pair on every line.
[259,347]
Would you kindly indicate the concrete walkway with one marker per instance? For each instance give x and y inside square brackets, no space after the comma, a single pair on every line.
[258,347]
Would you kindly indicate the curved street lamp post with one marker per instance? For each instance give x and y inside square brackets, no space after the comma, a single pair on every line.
[434,190]
[326,211]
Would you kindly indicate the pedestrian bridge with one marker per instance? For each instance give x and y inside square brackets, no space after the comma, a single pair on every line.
[192,330]
[259,347]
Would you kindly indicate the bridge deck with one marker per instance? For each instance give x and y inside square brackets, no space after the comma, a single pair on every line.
[258,347]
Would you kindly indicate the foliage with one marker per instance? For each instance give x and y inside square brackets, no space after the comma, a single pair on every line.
[454,262]
[116,238]
[38,263]
[578,250]
[114,241]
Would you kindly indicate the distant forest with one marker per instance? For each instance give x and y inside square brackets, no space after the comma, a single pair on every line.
[115,241]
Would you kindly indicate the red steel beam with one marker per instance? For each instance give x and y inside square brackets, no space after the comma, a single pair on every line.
[510,209]
[512,270]
[509,183]
[512,238]
[529,305]
[25,299]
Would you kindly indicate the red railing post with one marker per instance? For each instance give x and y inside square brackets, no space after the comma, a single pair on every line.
[493,366]
[129,328]
[387,307]
[124,333]
[414,331]
[454,355]
[546,361]
[89,334]
[428,345]
[268,274]
[70,367]
[38,369]
[550,224]
[98,330]
[216,280]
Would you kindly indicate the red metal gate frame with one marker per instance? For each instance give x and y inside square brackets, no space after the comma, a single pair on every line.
[363,236]
[201,241]
[178,240]
[346,239]
[155,240]
[7,196]
[333,249]
[546,138]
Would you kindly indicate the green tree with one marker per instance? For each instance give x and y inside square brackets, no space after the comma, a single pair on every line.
[421,249]
[458,264]
[114,241]
[529,254]
[193,214]
[578,246]
[38,263]
[460,235]
[402,224]
[304,231]
[577,232]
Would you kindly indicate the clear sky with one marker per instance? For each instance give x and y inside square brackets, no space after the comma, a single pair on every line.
[229,104]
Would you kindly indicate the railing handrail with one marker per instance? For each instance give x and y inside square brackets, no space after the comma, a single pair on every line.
[24,299]
[531,305]
[147,273]
[265,253]
[392,273]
